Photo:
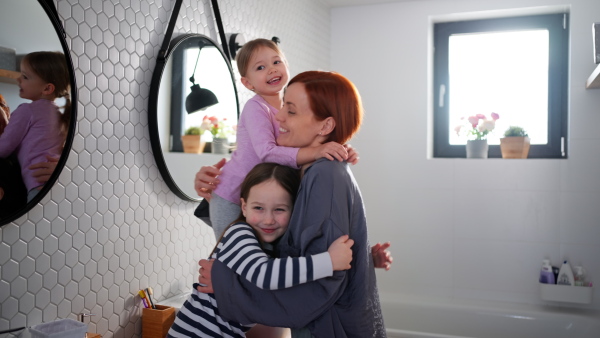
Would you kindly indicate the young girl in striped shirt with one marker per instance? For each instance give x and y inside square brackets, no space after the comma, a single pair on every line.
[268,194]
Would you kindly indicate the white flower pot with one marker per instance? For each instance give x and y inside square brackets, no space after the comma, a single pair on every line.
[220,146]
[477,149]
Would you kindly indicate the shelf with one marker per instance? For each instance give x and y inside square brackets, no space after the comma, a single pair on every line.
[9,76]
[594,80]
[566,293]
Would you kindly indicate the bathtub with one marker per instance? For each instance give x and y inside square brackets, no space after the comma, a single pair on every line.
[421,318]
[452,319]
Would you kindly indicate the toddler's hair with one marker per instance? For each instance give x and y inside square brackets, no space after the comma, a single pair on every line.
[243,56]
[52,68]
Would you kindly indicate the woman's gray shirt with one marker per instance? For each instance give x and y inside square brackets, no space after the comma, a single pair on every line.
[329,205]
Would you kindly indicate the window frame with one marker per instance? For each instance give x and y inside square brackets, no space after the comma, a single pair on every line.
[557,25]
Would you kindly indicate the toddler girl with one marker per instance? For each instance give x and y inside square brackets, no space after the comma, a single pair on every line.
[264,71]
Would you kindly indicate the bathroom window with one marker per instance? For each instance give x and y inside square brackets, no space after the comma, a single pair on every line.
[516,67]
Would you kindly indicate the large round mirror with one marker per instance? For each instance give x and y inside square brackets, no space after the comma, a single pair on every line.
[28,26]
[194,82]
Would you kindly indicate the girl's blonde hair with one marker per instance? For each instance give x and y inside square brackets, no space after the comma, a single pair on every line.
[245,54]
[52,68]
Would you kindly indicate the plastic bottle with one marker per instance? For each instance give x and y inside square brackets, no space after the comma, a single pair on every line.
[565,275]
[579,275]
[546,275]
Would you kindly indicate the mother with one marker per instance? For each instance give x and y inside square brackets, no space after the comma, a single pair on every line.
[318,107]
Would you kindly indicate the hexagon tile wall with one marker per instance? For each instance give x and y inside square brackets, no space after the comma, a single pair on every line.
[110,225]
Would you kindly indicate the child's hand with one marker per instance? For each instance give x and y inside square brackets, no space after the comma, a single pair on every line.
[340,253]
[382,258]
[352,154]
[331,151]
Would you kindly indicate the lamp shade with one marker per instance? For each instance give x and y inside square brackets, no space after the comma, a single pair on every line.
[199,99]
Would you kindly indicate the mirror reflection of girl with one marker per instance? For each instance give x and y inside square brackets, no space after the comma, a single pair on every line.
[37,130]
[264,71]
[12,190]
[267,198]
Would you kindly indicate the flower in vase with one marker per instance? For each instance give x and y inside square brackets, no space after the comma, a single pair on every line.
[477,127]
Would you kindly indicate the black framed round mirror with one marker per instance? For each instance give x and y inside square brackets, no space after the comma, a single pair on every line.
[40,30]
[195,80]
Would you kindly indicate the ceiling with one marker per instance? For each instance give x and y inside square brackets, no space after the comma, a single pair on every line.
[342,3]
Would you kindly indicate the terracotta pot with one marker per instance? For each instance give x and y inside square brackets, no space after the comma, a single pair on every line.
[515,146]
[192,144]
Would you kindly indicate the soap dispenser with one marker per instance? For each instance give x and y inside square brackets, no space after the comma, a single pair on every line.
[546,274]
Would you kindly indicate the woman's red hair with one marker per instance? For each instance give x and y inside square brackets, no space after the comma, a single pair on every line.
[332,95]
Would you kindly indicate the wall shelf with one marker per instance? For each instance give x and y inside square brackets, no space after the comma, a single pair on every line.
[566,293]
[9,76]
[594,80]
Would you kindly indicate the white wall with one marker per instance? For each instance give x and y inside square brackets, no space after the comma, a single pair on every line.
[465,229]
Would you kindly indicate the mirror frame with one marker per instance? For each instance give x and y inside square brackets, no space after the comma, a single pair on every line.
[153,110]
[52,13]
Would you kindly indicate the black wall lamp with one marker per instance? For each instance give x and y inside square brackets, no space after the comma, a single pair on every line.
[200,98]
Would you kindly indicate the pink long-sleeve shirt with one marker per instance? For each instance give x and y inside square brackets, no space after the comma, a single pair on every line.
[256,138]
[33,132]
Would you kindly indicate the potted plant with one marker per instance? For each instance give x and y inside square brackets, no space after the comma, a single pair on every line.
[515,143]
[220,131]
[477,127]
[192,142]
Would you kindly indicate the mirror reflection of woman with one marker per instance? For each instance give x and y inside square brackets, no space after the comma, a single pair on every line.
[38,130]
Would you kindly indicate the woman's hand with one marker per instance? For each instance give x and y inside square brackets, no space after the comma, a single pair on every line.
[207,179]
[352,154]
[43,170]
[382,258]
[204,278]
[331,151]
[340,253]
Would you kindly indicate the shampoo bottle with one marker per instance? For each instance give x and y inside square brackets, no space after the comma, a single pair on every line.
[565,275]
[546,275]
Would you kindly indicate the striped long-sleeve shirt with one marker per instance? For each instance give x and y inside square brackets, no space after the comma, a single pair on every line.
[240,250]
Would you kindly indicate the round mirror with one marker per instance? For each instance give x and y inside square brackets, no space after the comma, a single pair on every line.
[39,30]
[192,83]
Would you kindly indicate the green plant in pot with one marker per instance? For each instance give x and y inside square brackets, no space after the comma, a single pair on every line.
[515,143]
[193,131]
[192,142]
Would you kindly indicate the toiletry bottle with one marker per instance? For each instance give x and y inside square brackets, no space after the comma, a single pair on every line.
[546,275]
[565,275]
[555,271]
[579,275]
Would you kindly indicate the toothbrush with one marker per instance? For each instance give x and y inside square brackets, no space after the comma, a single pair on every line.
[143,296]
[150,293]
